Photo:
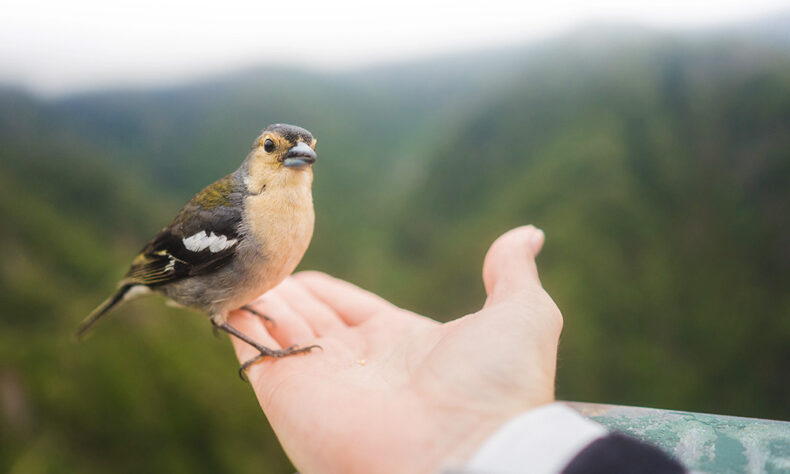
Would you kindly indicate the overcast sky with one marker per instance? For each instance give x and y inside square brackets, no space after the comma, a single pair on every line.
[55,47]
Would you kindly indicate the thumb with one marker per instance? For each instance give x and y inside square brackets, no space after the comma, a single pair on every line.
[509,266]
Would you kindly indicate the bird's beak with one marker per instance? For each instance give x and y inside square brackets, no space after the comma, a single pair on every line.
[299,157]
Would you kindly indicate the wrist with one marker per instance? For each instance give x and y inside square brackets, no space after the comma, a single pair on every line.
[463,432]
[544,439]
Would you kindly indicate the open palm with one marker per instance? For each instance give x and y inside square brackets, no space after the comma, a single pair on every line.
[393,391]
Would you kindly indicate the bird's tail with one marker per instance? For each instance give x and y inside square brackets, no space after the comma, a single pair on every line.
[102,309]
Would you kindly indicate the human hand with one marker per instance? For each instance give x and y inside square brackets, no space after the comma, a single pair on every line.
[393,391]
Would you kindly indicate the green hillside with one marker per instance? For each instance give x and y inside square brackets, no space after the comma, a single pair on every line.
[658,166]
[662,178]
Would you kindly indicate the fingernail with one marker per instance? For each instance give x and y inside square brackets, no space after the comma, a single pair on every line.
[536,240]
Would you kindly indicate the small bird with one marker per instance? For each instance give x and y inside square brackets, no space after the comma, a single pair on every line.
[235,240]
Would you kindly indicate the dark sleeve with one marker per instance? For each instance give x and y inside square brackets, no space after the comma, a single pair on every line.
[618,453]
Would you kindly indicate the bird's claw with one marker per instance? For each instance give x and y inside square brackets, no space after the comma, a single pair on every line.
[246,365]
[276,353]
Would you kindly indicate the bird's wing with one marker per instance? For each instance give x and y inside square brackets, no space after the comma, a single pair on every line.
[201,239]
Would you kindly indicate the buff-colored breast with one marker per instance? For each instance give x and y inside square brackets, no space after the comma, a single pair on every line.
[281,220]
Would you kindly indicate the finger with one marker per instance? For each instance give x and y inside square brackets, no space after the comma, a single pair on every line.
[251,326]
[353,304]
[313,312]
[509,266]
[290,327]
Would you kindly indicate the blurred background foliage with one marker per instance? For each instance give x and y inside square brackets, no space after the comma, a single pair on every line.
[657,164]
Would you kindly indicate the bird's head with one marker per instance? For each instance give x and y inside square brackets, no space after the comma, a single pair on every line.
[281,153]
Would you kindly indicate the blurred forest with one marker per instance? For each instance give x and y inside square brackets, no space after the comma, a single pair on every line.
[657,164]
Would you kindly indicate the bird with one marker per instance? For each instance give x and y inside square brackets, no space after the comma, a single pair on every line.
[234,240]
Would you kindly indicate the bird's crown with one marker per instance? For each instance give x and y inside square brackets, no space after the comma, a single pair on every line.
[291,133]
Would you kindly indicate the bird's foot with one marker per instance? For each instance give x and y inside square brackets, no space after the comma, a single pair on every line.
[269,320]
[263,351]
[276,353]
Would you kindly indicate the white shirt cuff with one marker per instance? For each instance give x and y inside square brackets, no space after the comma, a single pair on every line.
[541,441]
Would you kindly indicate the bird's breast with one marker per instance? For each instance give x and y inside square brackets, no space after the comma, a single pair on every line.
[280,223]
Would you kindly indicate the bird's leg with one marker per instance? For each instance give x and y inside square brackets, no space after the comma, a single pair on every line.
[269,320]
[263,350]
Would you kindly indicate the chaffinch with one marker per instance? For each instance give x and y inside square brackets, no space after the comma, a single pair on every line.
[235,240]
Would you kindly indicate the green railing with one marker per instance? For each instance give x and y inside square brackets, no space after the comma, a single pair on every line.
[704,443]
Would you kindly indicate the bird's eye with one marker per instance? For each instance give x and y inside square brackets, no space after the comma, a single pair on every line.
[268,145]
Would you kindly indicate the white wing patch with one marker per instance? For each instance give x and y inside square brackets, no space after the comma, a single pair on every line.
[135,291]
[201,241]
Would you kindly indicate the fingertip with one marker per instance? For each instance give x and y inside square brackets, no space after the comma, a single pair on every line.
[523,242]
[519,236]
[510,262]
[352,304]
[536,240]
[311,275]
